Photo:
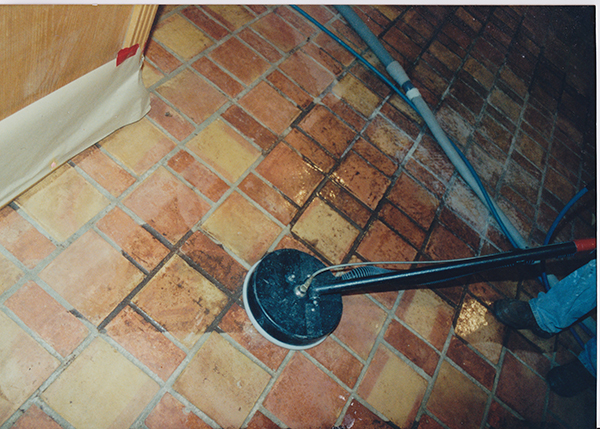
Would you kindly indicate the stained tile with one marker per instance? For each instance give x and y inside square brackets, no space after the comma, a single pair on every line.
[62,202]
[579,411]
[392,387]
[521,389]
[242,228]
[471,363]
[145,342]
[411,346]
[478,326]
[181,36]
[375,157]
[269,107]
[231,16]
[222,382]
[260,421]
[357,95]
[342,109]
[337,360]
[327,130]
[133,239]
[289,88]
[169,118]
[345,202]
[212,72]
[278,32]
[468,401]
[237,325]
[181,300]
[101,389]
[182,91]
[289,173]
[442,245]
[427,314]
[199,176]
[302,379]
[326,230]
[24,366]
[416,201]
[224,149]
[240,60]
[21,239]
[249,127]
[307,72]
[50,320]
[268,198]
[214,260]
[360,333]
[388,138]
[80,276]
[35,418]
[501,417]
[104,170]
[166,204]
[402,224]
[169,413]
[138,146]
[9,273]
[529,353]
[382,244]
[362,179]
[357,413]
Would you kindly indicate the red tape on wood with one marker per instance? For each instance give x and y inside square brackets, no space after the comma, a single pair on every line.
[126,53]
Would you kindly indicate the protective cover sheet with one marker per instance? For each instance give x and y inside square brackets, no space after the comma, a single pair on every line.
[42,136]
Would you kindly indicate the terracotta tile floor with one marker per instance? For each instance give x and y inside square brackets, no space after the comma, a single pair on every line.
[121,273]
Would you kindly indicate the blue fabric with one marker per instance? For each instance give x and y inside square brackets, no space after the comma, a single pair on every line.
[567,301]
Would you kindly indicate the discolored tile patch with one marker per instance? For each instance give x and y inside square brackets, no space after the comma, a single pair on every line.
[181,36]
[362,179]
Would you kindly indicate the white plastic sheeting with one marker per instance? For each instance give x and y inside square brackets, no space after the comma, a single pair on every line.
[47,133]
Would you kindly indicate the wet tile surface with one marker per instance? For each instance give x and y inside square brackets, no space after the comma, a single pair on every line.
[122,272]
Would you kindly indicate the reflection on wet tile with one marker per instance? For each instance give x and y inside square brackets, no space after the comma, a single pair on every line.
[222,382]
[101,388]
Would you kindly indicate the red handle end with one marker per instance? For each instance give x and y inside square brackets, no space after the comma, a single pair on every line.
[585,244]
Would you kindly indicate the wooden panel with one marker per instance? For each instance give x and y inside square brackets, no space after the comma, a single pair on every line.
[42,48]
[142,18]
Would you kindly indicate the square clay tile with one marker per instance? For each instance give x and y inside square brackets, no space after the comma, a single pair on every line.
[21,238]
[360,333]
[9,273]
[375,156]
[402,224]
[380,243]
[355,93]
[104,170]
[444,245]
[456,400]
[393,388]
[364,181]
[326,230]
[50,320]
[427,314]
[242,228]
[150,74]
[231,16]
[169,119]
[24,366]
[167,205]
[222,382]
[62,202]
[138,146]
[472,363]
[240,60]
[269,107]
[250,127]
[206,24]
[34,418]
[289,88]
[216,75]
[181,37]
[169,413]
[411,346]
[163,59]
[327,130]
[100,389]
[238,326]
[80,275]
[289,173]
[192,95]
[309,149]
[224,149]
[268,198]
[357,413]
[260,45]
[199,176]
[305,397]
[415,200]
[388,138]
[278,32]
[133,239]
[145,342]
[181,300]
[337,360]
[478,327]
[307,72]
[521,389]
[462,200]
[260,421]
[214,260]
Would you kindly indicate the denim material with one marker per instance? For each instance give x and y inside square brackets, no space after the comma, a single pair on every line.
[567,301]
